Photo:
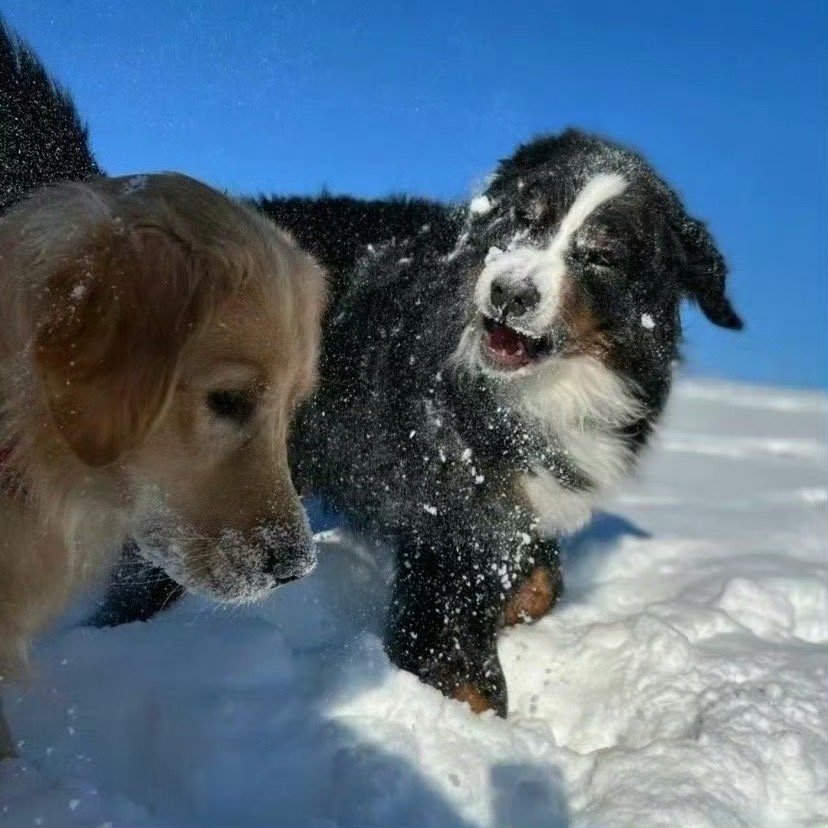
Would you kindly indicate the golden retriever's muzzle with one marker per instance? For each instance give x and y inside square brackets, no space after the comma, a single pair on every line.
[231,564]
[247,565]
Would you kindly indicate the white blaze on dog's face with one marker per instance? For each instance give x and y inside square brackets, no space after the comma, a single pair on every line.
[174,332]
[521,291]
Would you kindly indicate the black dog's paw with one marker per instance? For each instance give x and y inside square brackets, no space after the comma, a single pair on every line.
[469,672]
[482,689]
[534,597]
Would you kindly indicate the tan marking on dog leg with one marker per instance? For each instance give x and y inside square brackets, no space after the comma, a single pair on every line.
[534,598]
[469,694]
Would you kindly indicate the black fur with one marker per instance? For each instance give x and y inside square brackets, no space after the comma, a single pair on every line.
[337,230]
[42,139]
[137,591]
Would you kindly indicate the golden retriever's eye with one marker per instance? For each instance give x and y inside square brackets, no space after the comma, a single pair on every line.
[236,406]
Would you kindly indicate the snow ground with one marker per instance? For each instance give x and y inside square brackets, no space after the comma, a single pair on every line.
[680,682]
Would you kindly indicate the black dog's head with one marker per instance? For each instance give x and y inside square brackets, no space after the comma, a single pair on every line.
[586,252]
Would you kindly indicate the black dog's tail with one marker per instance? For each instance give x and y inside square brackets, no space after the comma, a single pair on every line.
[42,139]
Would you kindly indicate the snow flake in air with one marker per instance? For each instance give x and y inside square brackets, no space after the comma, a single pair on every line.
[480,205]
[492,254]
[134,184]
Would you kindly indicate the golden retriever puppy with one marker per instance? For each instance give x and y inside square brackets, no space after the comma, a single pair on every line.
[155,338]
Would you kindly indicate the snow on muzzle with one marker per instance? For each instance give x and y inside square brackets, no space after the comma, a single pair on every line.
[518,297]
[236,565]
[250,563]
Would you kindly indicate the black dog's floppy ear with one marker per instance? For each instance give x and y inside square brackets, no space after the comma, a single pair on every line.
[703,272]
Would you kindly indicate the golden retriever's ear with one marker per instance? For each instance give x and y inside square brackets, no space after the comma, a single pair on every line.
[111,325]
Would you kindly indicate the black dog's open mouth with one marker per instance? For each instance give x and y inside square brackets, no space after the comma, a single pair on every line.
[510,349]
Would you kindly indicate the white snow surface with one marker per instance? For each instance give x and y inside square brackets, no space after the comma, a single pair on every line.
[681,681]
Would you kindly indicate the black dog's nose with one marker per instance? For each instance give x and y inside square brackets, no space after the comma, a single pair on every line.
[510,298]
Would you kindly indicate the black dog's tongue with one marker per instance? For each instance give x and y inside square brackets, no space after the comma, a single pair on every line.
[507,347]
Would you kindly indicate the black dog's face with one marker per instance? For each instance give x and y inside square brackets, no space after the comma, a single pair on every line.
[585,253]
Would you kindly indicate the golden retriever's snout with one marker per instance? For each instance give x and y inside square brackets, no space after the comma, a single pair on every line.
[287,560]
[227,564]
[249,565]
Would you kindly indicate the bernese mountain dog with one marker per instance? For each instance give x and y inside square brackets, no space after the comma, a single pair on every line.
[477,402]
[488,375]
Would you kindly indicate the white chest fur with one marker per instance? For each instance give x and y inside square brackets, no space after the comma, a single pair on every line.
[580,403]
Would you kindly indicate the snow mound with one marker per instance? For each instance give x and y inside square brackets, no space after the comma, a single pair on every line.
[681,681]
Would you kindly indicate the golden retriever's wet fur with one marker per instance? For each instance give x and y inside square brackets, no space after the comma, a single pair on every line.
[155,337]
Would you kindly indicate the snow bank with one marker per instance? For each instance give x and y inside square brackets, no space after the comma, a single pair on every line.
[680,682]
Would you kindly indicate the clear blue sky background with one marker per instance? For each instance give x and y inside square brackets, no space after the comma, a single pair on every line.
[727,98]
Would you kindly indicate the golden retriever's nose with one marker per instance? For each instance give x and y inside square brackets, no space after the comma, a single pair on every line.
[286,561]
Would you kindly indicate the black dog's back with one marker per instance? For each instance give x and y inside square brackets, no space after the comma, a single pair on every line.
[338,230]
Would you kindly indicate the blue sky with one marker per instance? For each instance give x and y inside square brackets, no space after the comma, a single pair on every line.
[728,99]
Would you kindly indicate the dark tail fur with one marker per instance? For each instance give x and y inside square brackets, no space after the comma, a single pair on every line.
[42,139]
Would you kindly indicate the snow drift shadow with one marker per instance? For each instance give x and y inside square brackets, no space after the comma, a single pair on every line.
[584,551]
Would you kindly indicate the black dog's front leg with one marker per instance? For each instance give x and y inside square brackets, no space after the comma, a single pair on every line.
[7,748]
[537,587]
[443,628]
[452,596]
[137,591]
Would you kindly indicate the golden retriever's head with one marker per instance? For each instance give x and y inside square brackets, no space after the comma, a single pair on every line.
[173,332]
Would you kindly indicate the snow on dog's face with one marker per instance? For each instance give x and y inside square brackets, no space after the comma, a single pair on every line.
[586,252]
[174,333]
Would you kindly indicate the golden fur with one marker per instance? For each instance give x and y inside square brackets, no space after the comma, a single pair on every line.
[128,304]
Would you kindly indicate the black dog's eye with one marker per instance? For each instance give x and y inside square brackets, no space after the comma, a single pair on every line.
[531,211]
[237,406]
[600,249]
[601,258]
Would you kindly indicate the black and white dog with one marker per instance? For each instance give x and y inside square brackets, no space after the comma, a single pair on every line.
[476,403]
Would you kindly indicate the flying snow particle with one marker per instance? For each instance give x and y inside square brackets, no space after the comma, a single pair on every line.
[480,206]
[647,321]
[493,253]
[134,184]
